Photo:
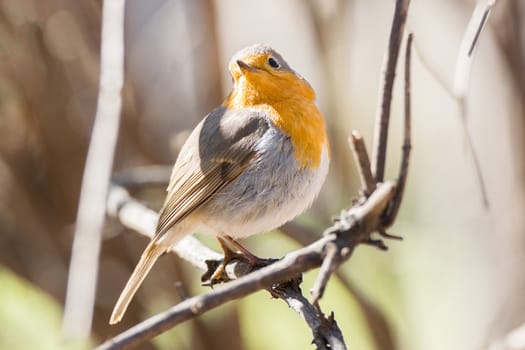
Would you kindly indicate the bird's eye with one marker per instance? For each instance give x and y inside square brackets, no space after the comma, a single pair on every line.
[273,62]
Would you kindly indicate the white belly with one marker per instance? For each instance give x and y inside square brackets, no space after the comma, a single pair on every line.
[269,194]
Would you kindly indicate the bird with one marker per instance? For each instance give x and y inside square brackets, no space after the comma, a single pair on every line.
[252,164]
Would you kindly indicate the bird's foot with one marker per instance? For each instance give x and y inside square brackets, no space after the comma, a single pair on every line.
[232,251]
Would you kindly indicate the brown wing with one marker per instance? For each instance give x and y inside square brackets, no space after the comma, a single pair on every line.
[220,148]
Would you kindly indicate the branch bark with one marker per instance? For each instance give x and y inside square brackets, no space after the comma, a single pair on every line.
[393,209]
[357,144]
[387,85]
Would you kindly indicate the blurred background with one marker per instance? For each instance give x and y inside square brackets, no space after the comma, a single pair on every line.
[457,280]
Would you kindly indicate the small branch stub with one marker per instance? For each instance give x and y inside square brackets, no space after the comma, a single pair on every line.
[360,153]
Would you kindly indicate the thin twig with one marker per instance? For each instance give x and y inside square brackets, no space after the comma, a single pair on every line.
[330,263]
[383,109]
[482,22]
[360,153]
[393,209]
[80,296]
[326,333]
[333,335]
[353,227]
[466,51]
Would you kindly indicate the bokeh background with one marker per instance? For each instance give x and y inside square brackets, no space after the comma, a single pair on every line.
[457,281]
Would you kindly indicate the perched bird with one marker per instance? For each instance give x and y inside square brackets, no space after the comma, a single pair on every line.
[252,164]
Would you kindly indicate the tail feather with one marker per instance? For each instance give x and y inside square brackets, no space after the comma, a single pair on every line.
[152,252]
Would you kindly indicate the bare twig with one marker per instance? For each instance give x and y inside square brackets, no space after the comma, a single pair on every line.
[383,108]
[363,162]
[325,331]
[482,22]
[328,266]
[80,297]
[393,209]
[466,52]
[332,333]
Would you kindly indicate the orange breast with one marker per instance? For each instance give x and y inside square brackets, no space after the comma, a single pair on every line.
[296,115]
[305,125]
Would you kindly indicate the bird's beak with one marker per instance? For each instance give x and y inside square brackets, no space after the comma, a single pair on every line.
[244,67]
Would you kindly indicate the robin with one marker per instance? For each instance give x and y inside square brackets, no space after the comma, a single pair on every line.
[252,164]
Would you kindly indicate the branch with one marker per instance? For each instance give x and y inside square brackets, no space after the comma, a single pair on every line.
[328,266]
[466,51]
[352,228]
[325,331]
[392,211]
[383,108]
[80,296]
[357,145]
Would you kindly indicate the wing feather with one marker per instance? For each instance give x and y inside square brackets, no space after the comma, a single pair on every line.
[227,141]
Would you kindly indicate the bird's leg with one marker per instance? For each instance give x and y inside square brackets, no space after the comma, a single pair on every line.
[254,260]
[229,255]
[233,250]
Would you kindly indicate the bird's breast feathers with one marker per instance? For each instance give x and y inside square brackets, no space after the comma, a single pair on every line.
[274,189]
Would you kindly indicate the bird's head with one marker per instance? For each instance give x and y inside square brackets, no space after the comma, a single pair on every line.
[261,71]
